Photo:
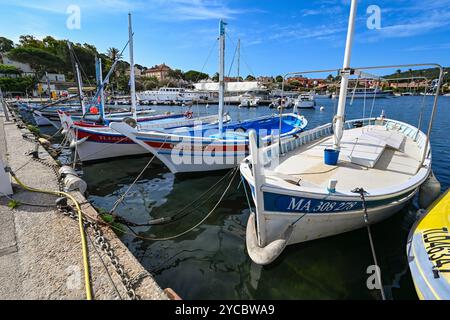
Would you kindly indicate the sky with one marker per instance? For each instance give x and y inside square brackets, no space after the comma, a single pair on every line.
[276,36]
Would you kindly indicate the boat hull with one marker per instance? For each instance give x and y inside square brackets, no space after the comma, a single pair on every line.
[183,153]
[316,225]
[428,250]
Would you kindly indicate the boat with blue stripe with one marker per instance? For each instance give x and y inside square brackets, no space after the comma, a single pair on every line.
[338,177]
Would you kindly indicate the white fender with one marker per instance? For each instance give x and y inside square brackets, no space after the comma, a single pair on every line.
[75,143]
[5,181]
[267,254]
[429,191]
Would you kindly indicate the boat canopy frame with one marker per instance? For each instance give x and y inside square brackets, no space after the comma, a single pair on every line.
[361,71]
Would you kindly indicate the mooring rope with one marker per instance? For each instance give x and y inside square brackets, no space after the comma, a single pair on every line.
[362,193]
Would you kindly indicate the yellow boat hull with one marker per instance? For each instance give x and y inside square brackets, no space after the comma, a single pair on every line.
[428,251]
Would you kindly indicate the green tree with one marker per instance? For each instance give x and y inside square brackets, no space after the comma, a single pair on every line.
[30,41]
[176,74]
[22,84]
[39,59]
[250,78]
[6,44]
[279,79]
[150,83]
[6,69]
[114,53]
[195,76]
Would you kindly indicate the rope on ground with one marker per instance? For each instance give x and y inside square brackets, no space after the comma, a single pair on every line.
[87,277]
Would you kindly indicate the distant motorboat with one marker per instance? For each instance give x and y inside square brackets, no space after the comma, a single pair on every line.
[168,95]
[305,101]
[368,93]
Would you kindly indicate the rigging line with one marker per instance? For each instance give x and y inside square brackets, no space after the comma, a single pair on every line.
[207,59]
[121,198]
[102,222]
[232,62]
[242,56]
[205,218]
[179,214]
[246,194]
[364,103]
[373,102]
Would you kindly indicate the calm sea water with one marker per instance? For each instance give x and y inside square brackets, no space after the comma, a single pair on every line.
[211,262]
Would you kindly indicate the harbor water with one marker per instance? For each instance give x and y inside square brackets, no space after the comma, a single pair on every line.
[211,262]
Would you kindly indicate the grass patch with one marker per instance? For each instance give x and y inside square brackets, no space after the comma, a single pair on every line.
[13,204]
[33,129]
[118,228]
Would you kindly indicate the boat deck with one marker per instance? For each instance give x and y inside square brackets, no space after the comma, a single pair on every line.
[371,157]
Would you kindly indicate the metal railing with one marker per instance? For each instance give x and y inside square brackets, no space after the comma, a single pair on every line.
[360,70]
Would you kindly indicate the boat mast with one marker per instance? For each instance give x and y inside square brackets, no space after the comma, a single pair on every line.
[102,87]
[345,73]
[78,78]
[239,60]
[80,88]
[221,73]
[132,76]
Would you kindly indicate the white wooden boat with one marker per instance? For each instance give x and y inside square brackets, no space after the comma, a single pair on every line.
[301,194]
[99,142]
[94,140]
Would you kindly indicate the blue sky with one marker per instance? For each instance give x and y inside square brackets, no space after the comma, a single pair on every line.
[277,36]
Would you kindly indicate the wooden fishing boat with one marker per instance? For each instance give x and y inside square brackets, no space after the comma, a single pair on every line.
[93,140]
[320,182]
[428,251]
[211,147]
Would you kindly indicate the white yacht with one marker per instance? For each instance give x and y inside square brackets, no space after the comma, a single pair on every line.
[168,95]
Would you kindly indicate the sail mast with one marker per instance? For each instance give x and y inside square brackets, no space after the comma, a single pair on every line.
[102,88]
[221,74]
[132,76]
[80,88]
[239,60]
[339,129]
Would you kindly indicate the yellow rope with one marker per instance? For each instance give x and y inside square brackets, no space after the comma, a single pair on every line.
[84,247]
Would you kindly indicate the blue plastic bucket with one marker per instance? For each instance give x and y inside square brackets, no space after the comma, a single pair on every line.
[331,156]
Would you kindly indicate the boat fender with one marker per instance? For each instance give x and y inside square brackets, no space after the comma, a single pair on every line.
[73,183]
[75,143]
[265,255]
[44,142]
[66,170]
[130,121]
[429,191]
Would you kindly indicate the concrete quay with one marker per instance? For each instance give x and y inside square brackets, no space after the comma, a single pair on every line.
[40,248]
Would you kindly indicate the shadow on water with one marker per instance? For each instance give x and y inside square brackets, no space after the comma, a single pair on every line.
[211,261]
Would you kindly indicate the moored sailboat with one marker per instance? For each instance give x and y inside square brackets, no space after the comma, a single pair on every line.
[211,147]
[93,139]
[335,178]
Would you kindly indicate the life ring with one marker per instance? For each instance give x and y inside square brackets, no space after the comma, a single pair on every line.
[188,114]
[240,130]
